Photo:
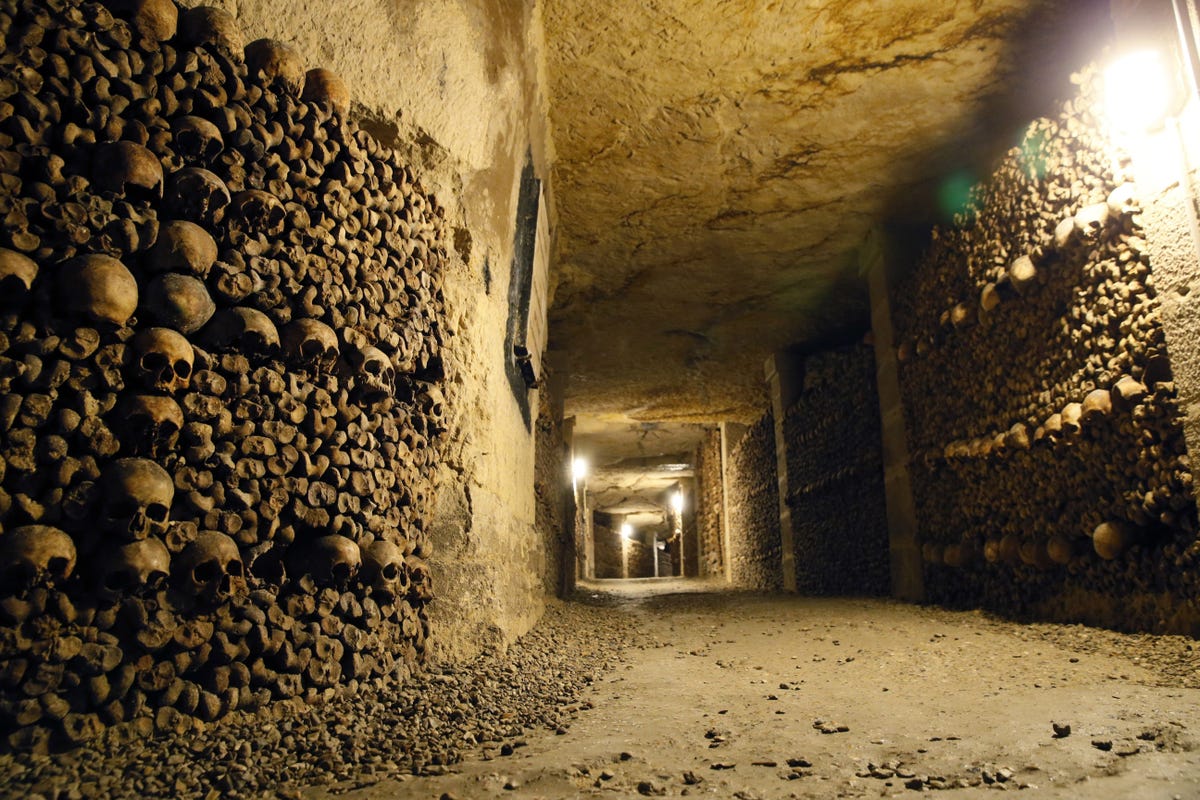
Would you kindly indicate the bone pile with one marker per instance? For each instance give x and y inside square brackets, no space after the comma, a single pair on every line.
[754,509]
[220,377]
[1046,443]
[709,503]
[835,471]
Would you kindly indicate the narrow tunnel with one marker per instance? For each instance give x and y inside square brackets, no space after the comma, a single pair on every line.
[543,399]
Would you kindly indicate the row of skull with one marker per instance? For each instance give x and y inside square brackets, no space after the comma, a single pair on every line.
[209,569]
[103,289]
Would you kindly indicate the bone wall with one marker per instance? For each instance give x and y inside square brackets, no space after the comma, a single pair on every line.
[1049,468]
[835,467]
[754,542]
[223,369]
[709,503]
[609,562]
[552,487]
[456,86]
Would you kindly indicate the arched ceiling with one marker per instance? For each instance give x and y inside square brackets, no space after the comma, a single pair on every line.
[717,165]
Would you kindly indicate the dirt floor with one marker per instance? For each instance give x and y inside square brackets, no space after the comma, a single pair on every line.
[727,694]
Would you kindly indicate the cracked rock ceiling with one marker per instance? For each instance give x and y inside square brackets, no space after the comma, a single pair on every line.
[717,165]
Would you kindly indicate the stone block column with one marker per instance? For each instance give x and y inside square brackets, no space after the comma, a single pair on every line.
[784,374]
[907,579]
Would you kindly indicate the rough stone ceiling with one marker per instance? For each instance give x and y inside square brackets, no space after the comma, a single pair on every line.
[634,465]
[718,164]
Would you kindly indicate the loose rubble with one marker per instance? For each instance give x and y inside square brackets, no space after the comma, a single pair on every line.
[437,720]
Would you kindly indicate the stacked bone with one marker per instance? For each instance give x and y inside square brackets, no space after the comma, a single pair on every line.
[753,498]
[835,472]
[1046,441]
[709,504]
[219,376]
[552,489]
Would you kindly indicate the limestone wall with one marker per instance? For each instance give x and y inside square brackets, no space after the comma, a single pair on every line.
[754,541]
[1050,472]
[835,466]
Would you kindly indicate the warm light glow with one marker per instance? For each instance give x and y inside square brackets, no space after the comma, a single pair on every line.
[626,530]
[1137,92]
[579,469]
[677,502]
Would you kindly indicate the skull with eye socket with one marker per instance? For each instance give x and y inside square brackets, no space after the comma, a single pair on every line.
[374,375]
[148,425]
[210,569]
[136,568]
[136,496]
[164,359]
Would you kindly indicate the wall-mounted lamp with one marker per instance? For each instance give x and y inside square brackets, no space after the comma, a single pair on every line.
[677,502]
[626,530]
[579,469]
[1140,91]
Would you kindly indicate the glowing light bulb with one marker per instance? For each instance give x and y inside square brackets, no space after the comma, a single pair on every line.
[677,502]
[1138,91]
[626,530]
[579,469]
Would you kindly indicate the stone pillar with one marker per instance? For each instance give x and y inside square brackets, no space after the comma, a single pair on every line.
[689,558]
[784,373]
[1165,161]
[907,579]
[731,433]
[555,385]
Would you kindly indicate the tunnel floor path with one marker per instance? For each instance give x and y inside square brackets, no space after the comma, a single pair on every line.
[727,694]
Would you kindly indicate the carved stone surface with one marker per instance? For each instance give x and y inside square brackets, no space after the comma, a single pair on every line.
[717,167]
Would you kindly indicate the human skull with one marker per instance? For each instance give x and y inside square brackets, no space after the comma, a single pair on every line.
[1111,538]
[197,195]
[1096,406]
[214,28]
[127,169]
[197,139]
[433,403]
[99,287]
[1071,414]
[164,358]
[242,328]
[135,568]
[331,560]
[384,570]
[1051,429]
[309,342]
[256,211]
[185,247]
[328,88]
[210,569]
[136,497]
[149,424]
[274,62]
[17,273]
[154,20]
[1090,220]
[179,301]
[32,555]
[1128,392]
[375,375]
[420,585]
